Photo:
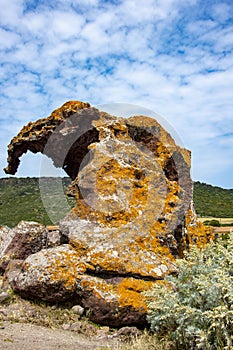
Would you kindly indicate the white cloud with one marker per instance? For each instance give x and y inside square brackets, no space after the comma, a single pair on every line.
[221,11]
[10,12]
[8,39]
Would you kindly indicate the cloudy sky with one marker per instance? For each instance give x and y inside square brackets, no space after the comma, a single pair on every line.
[174,57]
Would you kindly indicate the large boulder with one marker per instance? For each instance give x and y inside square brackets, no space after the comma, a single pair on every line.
[50,274]
[60,274]
[133,215]
[20,242]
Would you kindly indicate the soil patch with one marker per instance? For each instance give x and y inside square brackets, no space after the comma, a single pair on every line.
[15,336]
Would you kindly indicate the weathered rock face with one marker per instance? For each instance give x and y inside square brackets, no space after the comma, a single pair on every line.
[72,130]
[132,217]
[20,242]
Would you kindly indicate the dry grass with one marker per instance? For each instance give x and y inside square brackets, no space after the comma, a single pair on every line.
[146,341]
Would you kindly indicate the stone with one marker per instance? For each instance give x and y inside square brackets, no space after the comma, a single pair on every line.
[6,235]
[53,239]
[76,326]
[115,302]
[4,296]
[133,216]
[23,240]
[72,132]
[66,326]
[126,333]
[13,269]
[78,310]
[103,333]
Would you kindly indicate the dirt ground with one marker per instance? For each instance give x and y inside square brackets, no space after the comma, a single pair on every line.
[22,336]
[33,325]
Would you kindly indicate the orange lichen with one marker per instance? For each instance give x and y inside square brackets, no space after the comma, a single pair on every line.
[152,244]
[65,267]
[107,262]
[197,233]
[46,123]
[111,179]
[162,153]
[129,292]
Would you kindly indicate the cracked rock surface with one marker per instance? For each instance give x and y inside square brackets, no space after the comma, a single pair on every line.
[133,215]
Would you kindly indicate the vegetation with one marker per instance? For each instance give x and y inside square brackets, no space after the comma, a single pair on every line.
[212,222]
[194,308]
[20,199]
[222,221]
[213,201]
[146,341]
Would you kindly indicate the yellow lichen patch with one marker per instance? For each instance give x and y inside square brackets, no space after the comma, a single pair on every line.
[172,198]
[129,292]
[186,155]
[80,246]
[56,115]
[163,153]
[123,191]
[120,130]
[65,267]
[126,182]
[70,106]
[107,262]
[197,233]
[153,245]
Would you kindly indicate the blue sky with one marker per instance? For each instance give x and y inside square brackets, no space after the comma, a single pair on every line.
[174,57]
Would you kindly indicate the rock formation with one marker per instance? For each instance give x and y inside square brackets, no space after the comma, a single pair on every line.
[133,215]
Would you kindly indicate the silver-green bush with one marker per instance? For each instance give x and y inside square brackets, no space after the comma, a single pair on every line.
[195,308]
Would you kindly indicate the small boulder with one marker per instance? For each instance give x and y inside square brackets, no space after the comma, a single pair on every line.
[53,239]
[126,333]
[78,310]
[4,296]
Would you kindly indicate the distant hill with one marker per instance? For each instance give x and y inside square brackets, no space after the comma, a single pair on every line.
[213,201]
[20,200]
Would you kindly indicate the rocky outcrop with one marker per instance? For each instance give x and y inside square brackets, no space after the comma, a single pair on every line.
[133,215]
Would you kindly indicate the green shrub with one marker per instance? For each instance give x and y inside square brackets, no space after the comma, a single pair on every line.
[195,308]
[212,222]
[206,222]
[215,223]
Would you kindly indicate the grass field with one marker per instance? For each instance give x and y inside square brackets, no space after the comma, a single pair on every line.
[223,221]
